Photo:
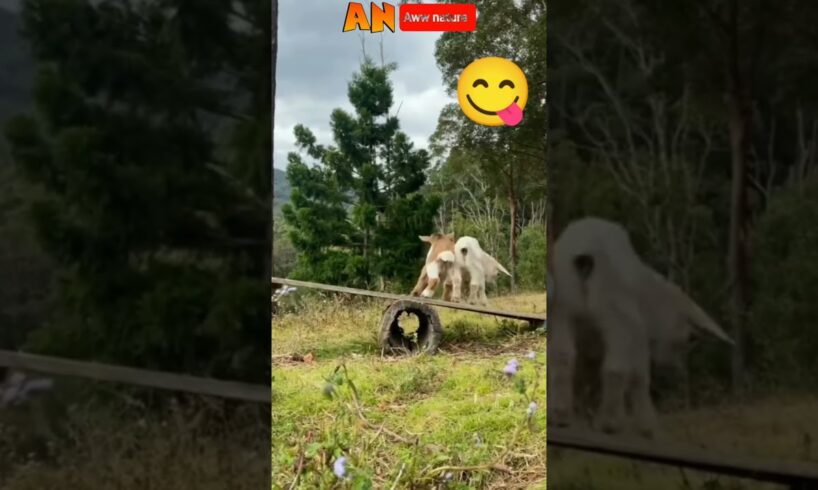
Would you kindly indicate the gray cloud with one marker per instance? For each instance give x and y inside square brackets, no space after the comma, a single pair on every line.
[316,61]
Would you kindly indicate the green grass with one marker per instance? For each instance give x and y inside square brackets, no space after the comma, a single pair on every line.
[421,416]
[449,400]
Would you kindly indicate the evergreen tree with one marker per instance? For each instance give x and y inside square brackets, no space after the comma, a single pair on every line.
[354,218]
[151,145]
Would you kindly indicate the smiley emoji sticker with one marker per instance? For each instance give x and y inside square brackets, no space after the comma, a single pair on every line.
[493,92]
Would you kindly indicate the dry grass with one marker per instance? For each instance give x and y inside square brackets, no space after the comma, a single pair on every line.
[198,446]
[777,428]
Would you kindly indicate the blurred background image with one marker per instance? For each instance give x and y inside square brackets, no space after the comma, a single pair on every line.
[135,229]
[693,125]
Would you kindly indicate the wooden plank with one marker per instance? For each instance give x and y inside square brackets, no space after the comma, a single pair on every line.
[536,317]
[774,471]
[137,377]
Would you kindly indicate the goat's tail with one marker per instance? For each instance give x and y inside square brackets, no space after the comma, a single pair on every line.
[502,269]
[697,316]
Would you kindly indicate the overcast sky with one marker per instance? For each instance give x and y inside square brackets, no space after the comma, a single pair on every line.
[316,61]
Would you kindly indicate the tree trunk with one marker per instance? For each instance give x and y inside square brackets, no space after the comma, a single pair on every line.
[738,122]
[513,205]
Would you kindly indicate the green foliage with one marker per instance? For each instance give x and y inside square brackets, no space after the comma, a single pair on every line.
[404,219]
[152,150]
[25,271]
[531,269]
[284,254]
[354,217]
[784,274]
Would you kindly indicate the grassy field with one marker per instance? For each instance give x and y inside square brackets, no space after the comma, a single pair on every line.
[453,420]
[782,428]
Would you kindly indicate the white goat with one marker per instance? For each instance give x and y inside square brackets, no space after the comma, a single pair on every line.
[481,267]
[609,310]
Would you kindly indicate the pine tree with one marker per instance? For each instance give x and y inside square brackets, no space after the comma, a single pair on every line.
[151,146]
[355,216]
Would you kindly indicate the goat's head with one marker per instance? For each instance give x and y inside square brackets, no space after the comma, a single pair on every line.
[439,243]
[434,238]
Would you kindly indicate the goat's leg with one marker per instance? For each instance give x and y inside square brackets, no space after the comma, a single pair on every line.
[619,331]
[447,289]
[474,285]
[644,412]
[483,298]
[423,280]
[457,283]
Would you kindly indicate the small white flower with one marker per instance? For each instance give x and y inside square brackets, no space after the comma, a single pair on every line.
[532,409]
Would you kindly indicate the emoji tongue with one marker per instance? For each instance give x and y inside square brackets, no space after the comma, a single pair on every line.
[511,115]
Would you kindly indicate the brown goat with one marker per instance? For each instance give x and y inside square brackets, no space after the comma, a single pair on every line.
[439,266]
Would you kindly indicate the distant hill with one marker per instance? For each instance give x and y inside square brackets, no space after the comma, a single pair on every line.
[281,188]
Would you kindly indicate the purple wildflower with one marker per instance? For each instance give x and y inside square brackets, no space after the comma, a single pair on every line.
[340,467]
[511,368]
[532,408]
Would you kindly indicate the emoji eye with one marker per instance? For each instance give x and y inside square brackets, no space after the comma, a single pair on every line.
[480,81]
[505,83]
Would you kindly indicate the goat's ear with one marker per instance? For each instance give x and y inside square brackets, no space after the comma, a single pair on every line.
[450,236]
[425,238]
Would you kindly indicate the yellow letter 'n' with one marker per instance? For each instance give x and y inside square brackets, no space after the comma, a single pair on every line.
[382,16]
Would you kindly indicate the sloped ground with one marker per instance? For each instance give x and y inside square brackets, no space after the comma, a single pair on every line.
[453,420]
